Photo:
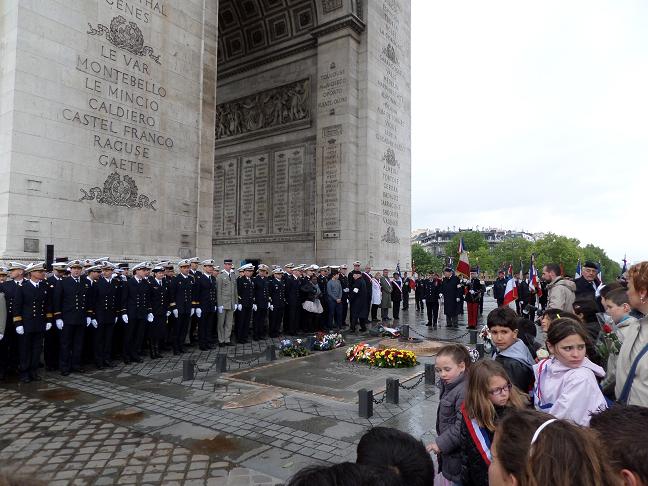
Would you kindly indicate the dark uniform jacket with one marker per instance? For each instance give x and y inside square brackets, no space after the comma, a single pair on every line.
[261,292]
[159,296]
[72,301]
[245,288]
[108,301]
[10,288]
[32,306]
[277,292]
[207,292]
[452,290]
[138,298]
[499,289]
[292,290]
[359,302]
[181,291]
[430,289]
[476,286]
[585,289]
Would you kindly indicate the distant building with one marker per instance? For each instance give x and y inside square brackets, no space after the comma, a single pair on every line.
[435,241]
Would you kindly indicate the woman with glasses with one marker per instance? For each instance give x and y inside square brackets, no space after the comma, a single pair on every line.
[489,395]
[566,384]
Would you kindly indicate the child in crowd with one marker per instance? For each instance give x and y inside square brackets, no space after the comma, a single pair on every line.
[622,431]
[511,352]
[533,448]
[452,363]
[552,315]
[565,384]
[489,395]
[586,310]
[617,306]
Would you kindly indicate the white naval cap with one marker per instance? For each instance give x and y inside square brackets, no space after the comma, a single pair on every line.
[208,263]
[141,266]
[35,267]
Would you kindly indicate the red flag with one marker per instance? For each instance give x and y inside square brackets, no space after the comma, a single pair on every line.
[463,265]
[511,293]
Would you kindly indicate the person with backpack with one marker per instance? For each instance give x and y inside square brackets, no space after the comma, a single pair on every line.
[632,365]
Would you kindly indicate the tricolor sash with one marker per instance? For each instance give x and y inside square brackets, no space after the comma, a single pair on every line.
[537,393]
[479,436]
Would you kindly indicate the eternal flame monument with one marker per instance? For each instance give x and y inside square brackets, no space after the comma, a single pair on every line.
[268,130]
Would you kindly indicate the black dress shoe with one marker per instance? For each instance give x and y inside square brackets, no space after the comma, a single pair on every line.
[65,373]
[127,361]
[35,377]
[137,360]
[109,364]
[176,352]
[78,370]
[26,379]
[230,344]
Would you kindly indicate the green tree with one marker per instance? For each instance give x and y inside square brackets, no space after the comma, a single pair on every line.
[473,241]
[483,258]
[424,261]
[512,251]
[558,249]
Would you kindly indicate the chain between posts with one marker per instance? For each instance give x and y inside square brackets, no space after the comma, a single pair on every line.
[418,382]
[378,402]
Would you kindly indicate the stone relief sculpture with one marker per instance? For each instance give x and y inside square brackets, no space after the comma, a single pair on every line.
[390,236]
[267,109]
[125,35]
[118,192]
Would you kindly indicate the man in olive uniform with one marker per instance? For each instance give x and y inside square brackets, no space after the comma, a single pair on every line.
[277,301]
[245,291]
[181,295]
[262,301]
[385,291]
[139,312]
[32,317]
[73,313]
[227,297]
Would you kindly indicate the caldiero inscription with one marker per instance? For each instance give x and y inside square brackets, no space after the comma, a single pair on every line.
[285,105]
[123,118]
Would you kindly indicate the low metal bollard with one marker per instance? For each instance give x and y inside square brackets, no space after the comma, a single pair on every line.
[430,379]
[473,336]
[221,363]
[404,332]
[271,353]
[188,369]
[391,392]
[481,350]
[365,403]
[310,342]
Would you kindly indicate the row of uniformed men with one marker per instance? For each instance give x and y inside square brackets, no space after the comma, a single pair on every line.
[150,306]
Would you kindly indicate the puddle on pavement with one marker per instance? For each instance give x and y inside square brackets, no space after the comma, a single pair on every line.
[217,445]
[130,415]
[59,394]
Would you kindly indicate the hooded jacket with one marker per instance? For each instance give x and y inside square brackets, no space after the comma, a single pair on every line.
[568,393]
[448,427]
[561,294]
[634,339]
[518,363]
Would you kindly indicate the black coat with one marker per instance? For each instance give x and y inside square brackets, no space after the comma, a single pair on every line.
[32,307]
[138,298]
[207,292]
[292,290]
[452,290]
[72,302]
[585,289]
[160,297]
[477,288]
[499,289]
[108,299]
[261,293]
[397,292]
[474,471]
[181,294]
[10,288]
[359,302]
[277,293]
[430,289]
[245,288]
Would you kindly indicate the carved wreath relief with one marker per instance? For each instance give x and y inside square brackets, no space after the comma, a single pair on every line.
[118,192]
[265,109]
[125,35]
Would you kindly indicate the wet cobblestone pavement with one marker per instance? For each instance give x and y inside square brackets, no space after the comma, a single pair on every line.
[142,424]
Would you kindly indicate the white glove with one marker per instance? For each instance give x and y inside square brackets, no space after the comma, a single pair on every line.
[149,317]
[423,300]
[20,330]
[346,290]
[48,326]
[192,311]
[472,291]
[355,291]
[1,336]
[254,307]
[59,324]
[440,295]
[215,308]
[168,313]
[271,307]
[94,323]
[220,309]
[458,299]
[239,307]
[199,312]
[125,319]
[88,321]
[459,286]
[175,313]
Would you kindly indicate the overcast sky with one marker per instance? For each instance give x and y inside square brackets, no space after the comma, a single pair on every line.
[534,116]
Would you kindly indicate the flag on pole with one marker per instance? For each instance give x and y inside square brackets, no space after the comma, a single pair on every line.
[521,276]
[625,265]
[534,284]
[578,269]
[600,273]
[511,292]
[463,265]
[509,271]
[398,269]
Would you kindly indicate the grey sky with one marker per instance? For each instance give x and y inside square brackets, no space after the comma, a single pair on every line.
[534,116]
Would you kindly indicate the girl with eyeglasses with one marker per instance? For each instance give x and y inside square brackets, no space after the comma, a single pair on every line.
[566,384]
[489,395]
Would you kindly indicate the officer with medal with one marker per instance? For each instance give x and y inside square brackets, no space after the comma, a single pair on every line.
[73,314]
[261,300]
[52,344]
[32,317]
[195,273]
[245,291]
[160,307]
[206,298]
[227,298]
[182,293]
[293,305]
[108,305]
[139,312]
[277,301]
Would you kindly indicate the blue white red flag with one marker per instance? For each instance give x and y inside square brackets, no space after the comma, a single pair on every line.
[578,269]
[463,265]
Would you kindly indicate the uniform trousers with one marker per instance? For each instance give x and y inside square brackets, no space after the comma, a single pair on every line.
[155,330]
[180,332]
[245,318]
[473,312]
[405,300]
[71,346]
[225,323]
[205,324]
[30,345]
[52,348]
[103,337]
[259,325]
[291,319]
[396,307]
[275,319]
[345,309]
[134,337]
[432,311]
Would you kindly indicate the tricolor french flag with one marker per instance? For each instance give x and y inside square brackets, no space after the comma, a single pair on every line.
[463,265]
[511,292]
[579,270]
[534,285]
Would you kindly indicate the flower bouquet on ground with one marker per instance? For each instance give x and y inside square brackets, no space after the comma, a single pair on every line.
[486,338]
[326,342]
[388,332]
[293,348]
[382,358]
